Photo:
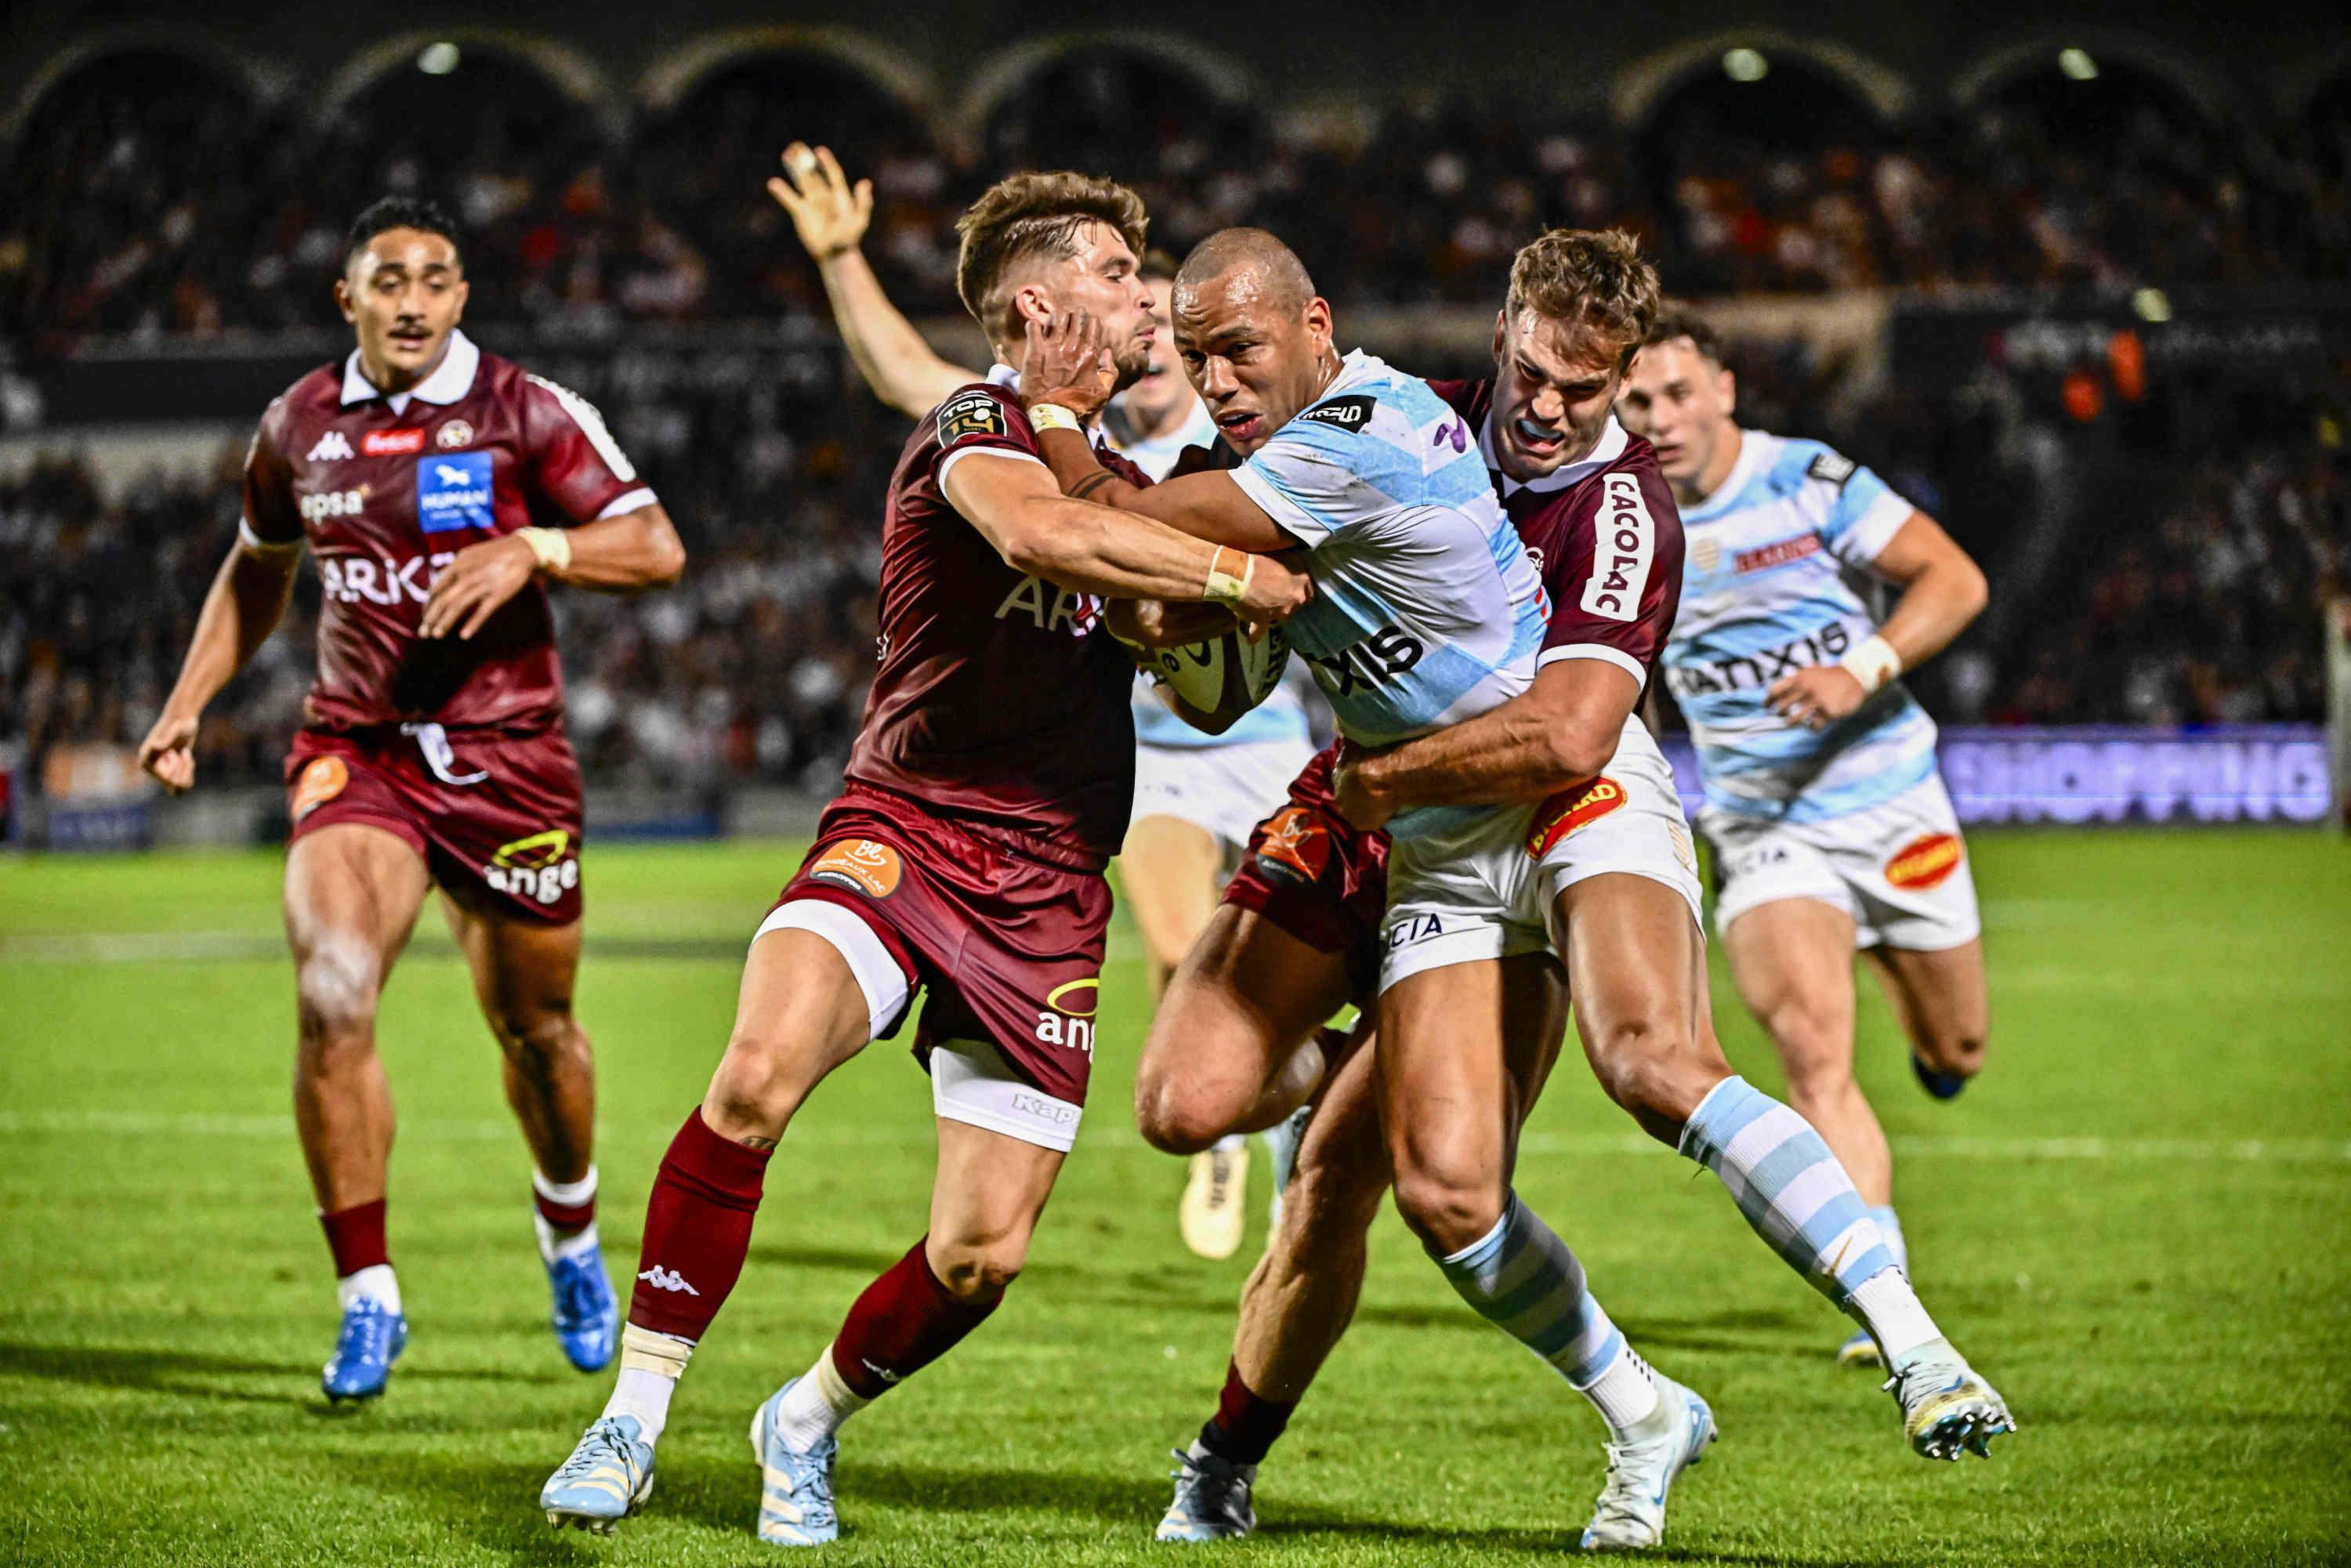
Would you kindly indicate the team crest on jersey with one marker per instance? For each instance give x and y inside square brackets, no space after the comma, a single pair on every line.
[1925,863]
[1831,468]
[861,865]
[453,492]
[1349,414]
[457,432]
[1295,847]
[1568,809]
[970,414]
[321,781]
[1705,554]
[332,447]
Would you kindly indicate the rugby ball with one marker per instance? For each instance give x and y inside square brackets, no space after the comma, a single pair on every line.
[1227,675]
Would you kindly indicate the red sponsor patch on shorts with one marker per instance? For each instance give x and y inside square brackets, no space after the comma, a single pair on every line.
[321,781]
[862,865]
[1925,863]
[1296,843]
[391,442]
[1570,810]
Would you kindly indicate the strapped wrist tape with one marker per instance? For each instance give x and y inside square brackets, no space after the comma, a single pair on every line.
[1873,663]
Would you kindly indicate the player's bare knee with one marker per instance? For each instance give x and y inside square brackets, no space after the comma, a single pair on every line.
[1334,1196]
[980,1268]
[1959,1051]
[535,1038]
[1654,1067]
[1174,1117]
[1449,1210]
[336,979]
[759,1082]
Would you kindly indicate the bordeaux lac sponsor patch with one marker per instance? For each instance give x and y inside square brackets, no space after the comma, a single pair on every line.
[860,865]
[1349,414]
[971,413]
[1832,468]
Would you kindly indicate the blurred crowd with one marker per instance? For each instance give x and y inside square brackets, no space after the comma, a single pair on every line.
[150,201]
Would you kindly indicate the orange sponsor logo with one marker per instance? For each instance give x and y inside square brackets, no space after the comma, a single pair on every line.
[862,865]
[1296,843]
[1925,863]
[321,781]
[1570,810]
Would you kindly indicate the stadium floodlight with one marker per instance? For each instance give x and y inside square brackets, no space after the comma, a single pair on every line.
[2151,304]
[1744,64]
[2077,65]
[437,60]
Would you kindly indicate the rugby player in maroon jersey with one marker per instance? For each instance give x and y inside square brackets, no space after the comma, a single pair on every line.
[441,489]
[987,789]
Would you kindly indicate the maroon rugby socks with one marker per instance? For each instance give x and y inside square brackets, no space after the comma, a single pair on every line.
[903,1321]
[362,1268]
[697,1231]
[1245,1424]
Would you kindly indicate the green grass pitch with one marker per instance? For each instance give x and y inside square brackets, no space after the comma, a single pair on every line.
[2136,1223]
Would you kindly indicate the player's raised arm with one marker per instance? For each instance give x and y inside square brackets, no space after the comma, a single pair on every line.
[1942,590]
[830,216]
[1096,548]
[243,607]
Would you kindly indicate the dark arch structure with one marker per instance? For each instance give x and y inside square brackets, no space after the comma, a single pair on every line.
[1227,83]
[676,75]
[94,51]
[565,70]
[1643,86]
[2203,89]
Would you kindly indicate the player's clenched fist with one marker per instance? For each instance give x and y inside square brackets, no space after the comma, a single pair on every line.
[169,752]
[829,213]
[472,588]
[1273,591]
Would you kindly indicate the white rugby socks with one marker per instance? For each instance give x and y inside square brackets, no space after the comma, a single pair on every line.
[812,1409]
[375,1282]
[650,1364]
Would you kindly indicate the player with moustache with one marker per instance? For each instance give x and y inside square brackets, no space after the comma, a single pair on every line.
[987,789]
[1359,463]
[1491,894]
[441,490]
[1197,796]
[1833,832]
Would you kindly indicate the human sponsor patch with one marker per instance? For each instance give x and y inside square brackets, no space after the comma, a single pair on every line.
[1925,863]
[1295,846]
[861,865]
[1623,544]
[1568,809]
[1831,468]
[324,779]
[453,492]
[971,413]
[1349,414]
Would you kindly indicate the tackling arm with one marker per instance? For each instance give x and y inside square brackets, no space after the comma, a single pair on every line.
[830,216]
[1559,731]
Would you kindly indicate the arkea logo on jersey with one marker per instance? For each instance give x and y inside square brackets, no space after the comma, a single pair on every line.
[1060,1023]
[1925,863]
[971,413]
[540,866]
[1625,543]
[1078,612]
[1349,414]
[380,579]
[454,493]
[860,865]
[1568,809]
[332,447]
[393,443]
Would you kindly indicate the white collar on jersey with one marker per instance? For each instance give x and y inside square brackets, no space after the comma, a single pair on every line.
[1004,376]
[449,381]
[1752,455]
[1610,447]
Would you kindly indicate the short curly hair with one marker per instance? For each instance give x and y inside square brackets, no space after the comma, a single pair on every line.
[388,212]
[1595,277]
[1678,322]
[1031,215]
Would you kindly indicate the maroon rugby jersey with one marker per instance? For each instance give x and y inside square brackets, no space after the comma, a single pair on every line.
[1604,532]
[387,496]
[1000,697]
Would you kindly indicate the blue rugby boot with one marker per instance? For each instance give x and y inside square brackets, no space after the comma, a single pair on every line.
[587,1317]
[795,1488]
[1212,1498]
[607,1476]
[371,1340]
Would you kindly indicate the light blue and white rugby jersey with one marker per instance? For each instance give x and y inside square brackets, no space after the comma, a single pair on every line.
[1769,588]
[1282,716]
[1426,609]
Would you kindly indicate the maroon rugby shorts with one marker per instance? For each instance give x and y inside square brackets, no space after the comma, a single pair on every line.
[497,815]
[1003,932]
[1318,877]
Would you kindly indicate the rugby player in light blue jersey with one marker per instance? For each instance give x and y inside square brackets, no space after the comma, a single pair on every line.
[1197,795]
[1428,615]
[1831,828]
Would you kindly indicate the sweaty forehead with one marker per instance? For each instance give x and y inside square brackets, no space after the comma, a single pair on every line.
[1672,360]
[413,250]
[1227,302]
[1565,352]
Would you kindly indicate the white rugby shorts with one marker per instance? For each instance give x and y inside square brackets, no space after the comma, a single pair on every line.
[1899,869]
[1492,891]
[1224,791]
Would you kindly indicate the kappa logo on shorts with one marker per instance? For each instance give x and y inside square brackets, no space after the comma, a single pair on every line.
[541,866]
[322,780]
[972,412]
[1061,1023]
[1570,810]
[861,865]
[1296,846]
[1924,862]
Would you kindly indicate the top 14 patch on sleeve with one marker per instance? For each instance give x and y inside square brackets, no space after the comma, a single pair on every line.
[1349,414]
[1830,467]
[970,414]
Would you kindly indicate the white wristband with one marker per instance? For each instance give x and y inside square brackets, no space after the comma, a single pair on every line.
[1873,663]
[552,547]
[1045,416]
[1225,587]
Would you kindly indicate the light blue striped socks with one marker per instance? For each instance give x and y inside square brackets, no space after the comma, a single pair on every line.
[1800,1200]
[1522,1279]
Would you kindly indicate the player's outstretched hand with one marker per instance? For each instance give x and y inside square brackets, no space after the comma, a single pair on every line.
[169,752]
[470,589]
[1065,360]
[829,213]
[1816,698]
